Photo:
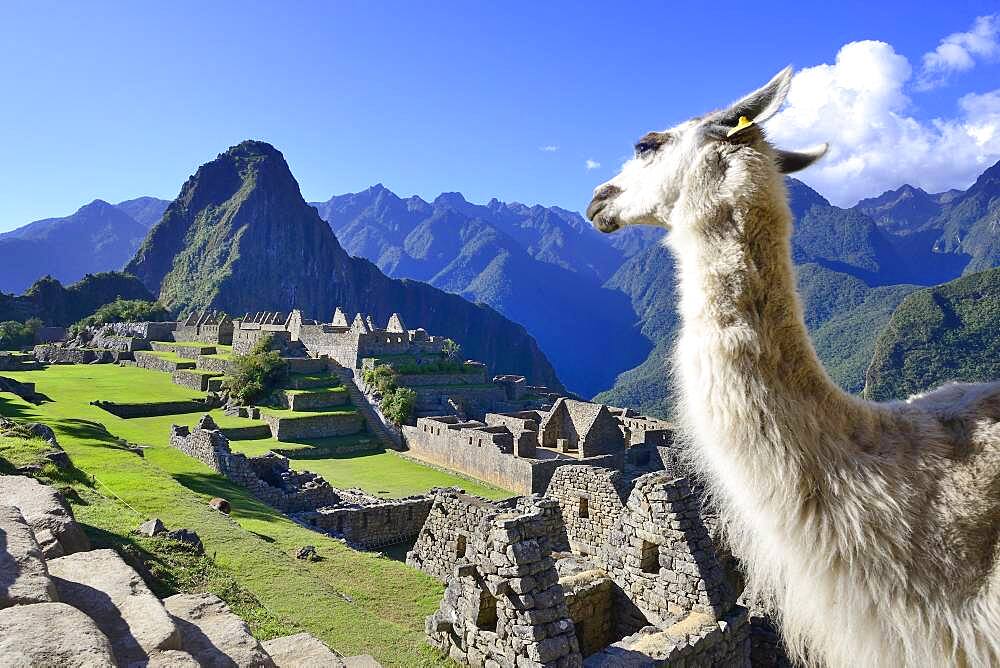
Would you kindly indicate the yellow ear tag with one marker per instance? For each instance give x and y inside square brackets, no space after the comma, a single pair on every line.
[744,122]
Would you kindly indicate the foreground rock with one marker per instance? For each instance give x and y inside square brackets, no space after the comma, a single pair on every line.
[103,586]
[23,576]
[51,634]
[301,649]
[47,513]
[213,635]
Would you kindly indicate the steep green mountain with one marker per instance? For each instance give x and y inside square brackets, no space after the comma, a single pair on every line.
[146,211]
[98,237]
[836,251]
[949,332]
[239,237]
[54,304]
[538,266]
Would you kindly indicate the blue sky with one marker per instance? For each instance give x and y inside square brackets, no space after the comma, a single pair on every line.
[116,100]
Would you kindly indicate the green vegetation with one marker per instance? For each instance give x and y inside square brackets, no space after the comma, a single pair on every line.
[397,402]
[451,349]
[410,365]
[357,602]
[14,335]
[949,332]
[256,374]
[122,310]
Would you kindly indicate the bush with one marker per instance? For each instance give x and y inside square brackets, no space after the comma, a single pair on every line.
[14,334]
[382,378]
[451,349]
[122,310]
[256,374]
[397,404]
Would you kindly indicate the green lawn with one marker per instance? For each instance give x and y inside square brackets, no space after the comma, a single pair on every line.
[357,602]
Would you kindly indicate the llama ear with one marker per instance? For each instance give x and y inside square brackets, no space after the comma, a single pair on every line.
[759,105]
[793,161]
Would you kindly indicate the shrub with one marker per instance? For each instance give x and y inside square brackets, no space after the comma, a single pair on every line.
[122,310]
[398,403]
[451,349]
[381,378]
[14,334]
[256,374]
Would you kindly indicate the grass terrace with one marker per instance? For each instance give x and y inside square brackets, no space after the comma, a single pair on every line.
[357,602]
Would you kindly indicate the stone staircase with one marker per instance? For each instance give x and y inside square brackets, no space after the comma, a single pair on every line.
[68,605]
[376,425]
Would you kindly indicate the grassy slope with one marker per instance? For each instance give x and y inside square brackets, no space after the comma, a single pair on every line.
[357,602]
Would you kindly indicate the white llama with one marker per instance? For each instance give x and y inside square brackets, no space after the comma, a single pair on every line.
[871,530]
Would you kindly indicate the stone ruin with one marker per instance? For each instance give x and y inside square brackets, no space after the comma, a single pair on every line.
[521,450]
[364,521]
[629,559]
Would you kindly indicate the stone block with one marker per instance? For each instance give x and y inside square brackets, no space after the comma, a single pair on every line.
[24,578]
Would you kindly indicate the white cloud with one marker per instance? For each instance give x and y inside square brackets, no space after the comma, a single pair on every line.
[591,164]
[548,148]
[958,52]
[860,106]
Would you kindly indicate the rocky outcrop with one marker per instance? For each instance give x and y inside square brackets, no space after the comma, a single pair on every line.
[212,634]
[46,512]
[301,649]
[23,576]
[52,634]
[103,586]
[241,232]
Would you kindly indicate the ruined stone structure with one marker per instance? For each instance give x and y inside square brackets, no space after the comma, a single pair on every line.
[504,605]
[207,327]
[640,575]
[363,520]
[521,450]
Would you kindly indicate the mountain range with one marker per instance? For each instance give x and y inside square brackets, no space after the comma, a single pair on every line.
[239,238]
[98,237]
[601,307]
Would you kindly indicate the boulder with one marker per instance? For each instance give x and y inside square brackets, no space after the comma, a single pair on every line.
[23,576]
[221,505]
[102,585]
[307,553]
[301,649]
[173,658]
[153,527]
[48,514]
[52,634]
[212,634]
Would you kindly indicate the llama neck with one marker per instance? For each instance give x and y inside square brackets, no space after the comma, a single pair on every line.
[746,364]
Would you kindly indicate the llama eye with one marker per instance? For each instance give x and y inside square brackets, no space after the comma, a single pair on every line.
[642,148]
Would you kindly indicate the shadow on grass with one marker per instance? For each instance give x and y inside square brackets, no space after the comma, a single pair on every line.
[8,408]
[243,503]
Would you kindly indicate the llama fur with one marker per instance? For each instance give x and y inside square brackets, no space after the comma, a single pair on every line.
[869,530]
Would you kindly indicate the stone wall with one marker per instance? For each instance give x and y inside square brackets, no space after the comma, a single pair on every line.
[215,364]
[373,526]
[415,380]
[361,519]
[590,599]
[591,501]
[51,354]
[147,360]
[504,605]
[317,400]
[193,379]
[662,554]
[285,428]
[488,454]
[151,409]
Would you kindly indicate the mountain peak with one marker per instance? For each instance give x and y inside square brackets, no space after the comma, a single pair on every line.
[450,199]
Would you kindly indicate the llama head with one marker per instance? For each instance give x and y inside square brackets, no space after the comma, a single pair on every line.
[651,183]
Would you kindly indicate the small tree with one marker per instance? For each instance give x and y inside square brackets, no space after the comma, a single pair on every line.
[451,349]
[256,374]
[398,404]
[382,378]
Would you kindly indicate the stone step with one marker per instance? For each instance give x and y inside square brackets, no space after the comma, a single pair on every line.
[315,400]
[23,576]
[47,513]
[301,649]
[111,593]
[52,634]
[212,634]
